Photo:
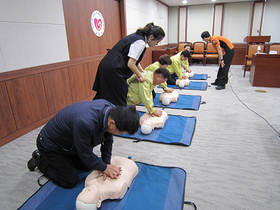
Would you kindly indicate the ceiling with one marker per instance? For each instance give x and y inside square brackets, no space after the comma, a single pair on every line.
[172,3]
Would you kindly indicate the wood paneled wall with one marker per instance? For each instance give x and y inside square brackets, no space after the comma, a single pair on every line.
[82,42]
[30,97]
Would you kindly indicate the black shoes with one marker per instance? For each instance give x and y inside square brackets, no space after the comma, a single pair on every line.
[31,164]
[220,87]
[214,83]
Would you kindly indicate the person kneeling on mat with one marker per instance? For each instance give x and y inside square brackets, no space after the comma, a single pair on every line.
[141,92]
[66,142]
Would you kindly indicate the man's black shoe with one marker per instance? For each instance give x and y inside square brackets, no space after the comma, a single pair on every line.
[31,164]
[214,83]
[36,154]
[220,87]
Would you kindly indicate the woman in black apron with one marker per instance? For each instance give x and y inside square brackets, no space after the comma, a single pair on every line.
[122,61]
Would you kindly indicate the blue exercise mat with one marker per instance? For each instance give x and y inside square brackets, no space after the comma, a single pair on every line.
[154,187]
[192,86]
[183,102]
[199,77]
[177,130]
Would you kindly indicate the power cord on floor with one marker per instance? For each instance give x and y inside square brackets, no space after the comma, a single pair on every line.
[250,108]
[190,203]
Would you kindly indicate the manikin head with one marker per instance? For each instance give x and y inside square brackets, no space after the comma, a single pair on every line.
[91,196]
[148,122]
[167,97]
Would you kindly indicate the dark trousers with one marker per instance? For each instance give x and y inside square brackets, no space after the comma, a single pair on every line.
[172,79]
[222,75]
[61,169]
[154,94]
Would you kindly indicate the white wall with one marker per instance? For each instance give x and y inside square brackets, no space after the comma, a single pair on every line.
[173,25]
[271,20]
[236,21]
[32,33]
[141,12]
[200,19]
[236,25]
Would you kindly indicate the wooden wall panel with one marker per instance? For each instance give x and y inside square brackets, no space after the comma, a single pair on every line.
[19,102]
[148,57]
[32,96]
[28,100]
[37,97]
[7,123]
[79,82]
[82,41]
[58,90]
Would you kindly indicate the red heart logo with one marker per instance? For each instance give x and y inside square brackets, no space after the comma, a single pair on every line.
[98,24]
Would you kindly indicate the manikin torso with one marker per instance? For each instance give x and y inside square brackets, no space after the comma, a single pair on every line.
[96,190]
[173,96]
[148,122]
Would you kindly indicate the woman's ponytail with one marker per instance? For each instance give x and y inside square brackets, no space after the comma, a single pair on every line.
[151,29]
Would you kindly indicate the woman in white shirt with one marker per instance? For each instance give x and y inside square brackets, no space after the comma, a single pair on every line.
[122,61]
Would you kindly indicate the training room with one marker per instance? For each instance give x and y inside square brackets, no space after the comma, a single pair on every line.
[214,147]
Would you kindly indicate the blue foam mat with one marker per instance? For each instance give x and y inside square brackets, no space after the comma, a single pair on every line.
[183,102]
[192,86]
[155,187]
[199,77]
[177,130]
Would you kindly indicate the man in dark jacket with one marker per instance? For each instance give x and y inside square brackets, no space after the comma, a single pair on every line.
[66,142]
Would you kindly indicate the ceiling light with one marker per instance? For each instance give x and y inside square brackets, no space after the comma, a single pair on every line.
[213,0]
[185,1]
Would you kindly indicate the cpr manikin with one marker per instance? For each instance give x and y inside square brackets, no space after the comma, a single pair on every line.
[148,122]
[182,82]
[96,189]
[166,98]
[189,74]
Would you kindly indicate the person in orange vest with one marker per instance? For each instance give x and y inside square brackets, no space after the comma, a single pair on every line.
[226,52]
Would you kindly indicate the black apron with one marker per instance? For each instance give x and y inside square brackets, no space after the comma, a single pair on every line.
[110,82]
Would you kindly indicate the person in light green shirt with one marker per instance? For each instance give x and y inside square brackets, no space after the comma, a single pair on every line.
[163,62]
[175,68]
[141,92]
[185,64]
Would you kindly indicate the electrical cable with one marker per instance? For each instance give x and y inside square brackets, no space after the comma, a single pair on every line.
[250,108]
[190,203]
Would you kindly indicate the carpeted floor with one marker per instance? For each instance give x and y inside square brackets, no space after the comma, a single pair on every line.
[232,163]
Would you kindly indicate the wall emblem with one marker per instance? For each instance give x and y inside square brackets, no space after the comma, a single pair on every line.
[97,23]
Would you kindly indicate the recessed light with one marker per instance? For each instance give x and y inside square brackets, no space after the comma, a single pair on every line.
[185,1]
[213,0]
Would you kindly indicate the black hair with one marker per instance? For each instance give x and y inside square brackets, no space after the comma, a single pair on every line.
[186,53]
[125,117]
[187,45]
[164,59]
[205,34]
[151,29]
[164,72]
